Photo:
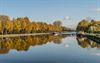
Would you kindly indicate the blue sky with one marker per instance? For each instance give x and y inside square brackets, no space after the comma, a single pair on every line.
[51,10]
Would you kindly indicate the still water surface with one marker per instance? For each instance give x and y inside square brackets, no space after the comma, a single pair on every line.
[49,49]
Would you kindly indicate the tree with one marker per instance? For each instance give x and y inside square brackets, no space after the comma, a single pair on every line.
[4,19]
[58,23]
[83,26]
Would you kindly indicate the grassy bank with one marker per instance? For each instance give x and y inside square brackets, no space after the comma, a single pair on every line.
[16,35]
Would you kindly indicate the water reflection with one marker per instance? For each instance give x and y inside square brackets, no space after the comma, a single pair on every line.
[23,43]
[86,42]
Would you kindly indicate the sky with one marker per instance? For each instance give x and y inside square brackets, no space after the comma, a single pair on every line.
[70,12]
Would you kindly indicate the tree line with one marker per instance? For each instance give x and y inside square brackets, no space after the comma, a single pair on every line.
[89,26]
[25,25]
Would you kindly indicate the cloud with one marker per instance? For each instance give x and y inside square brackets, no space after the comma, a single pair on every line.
[97,9]
[96,54]
[66,45]
[66,18]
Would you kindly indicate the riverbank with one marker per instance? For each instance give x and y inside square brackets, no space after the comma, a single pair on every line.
[16,35]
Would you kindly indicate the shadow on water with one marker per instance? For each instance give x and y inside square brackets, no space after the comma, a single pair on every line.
[88,41]
[94,38]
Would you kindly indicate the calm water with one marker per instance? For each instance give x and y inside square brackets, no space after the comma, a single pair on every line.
[49,49]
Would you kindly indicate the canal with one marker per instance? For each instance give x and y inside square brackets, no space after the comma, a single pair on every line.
[49,49]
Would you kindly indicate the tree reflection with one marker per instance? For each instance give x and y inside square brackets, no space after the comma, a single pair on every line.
[84,42]
[23,43]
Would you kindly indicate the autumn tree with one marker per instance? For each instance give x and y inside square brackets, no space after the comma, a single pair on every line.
[4,19]
[24,25]
[83,25]
[58,23]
